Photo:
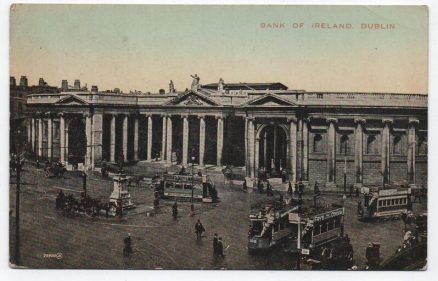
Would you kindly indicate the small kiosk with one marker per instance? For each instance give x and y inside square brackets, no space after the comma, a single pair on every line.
[120,194]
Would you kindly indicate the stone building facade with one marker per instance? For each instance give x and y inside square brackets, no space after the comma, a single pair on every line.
[372,138]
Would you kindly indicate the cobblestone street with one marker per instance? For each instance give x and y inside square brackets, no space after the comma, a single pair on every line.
[158,240]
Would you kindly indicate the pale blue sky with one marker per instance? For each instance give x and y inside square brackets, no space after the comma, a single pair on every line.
[143,47]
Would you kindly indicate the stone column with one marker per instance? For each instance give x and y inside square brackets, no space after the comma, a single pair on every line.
[331,151]
[299,169]
[40,136]
[386,150]
[88,133]
[293,149]
[163,139]
[251,147]
[169,141]
[96,156]
[49,136]
[220,140]
[33,134]
[149,152]
[66,144]
[62,138]
[136,138]
[113,139]
[256,157]
[246,148]
[305,150]
[185,151]
[265,148]
[201,140]
[125,138]
[358,151]
[29,130]
[412,138]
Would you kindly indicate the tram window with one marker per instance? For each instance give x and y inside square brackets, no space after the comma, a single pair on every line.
[282,225]
[317,230]
[178,185]
[169,184]
[380,203]
[392,201]
[323,228]
[188,186]
[275,227]
[330,225]
[337,222]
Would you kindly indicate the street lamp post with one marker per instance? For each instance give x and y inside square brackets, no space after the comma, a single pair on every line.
[17,163]
[192,207]
[345,167]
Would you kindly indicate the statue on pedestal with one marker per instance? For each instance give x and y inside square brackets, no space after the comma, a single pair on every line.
[195,82]
[171,87]
[220,86]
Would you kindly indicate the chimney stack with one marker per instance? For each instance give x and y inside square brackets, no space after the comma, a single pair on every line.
[41,82]
[23,81]
[64,85]
[94,89]
[12,81]
[77,85]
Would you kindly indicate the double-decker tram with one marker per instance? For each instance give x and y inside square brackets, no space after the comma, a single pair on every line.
[182,186]
[313,228]
[378,203]
[269,226]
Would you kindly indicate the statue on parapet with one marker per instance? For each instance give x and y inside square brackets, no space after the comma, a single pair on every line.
[171,87]
[195,82]
[220,85]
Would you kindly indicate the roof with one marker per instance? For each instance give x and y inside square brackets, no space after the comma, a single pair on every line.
[247,86]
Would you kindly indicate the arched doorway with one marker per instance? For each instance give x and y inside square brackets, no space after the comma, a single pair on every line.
[273,149]
[77,141]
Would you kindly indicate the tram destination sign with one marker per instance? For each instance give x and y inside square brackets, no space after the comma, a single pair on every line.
[328,215]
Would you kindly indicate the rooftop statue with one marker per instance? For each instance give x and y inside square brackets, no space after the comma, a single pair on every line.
[171,87]
[220,86]
[195,82]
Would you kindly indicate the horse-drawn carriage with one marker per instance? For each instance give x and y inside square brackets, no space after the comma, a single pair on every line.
[54,169]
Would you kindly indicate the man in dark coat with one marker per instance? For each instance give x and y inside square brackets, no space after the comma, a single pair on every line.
[220,248]
[128,249]
[199,228]
[215,245]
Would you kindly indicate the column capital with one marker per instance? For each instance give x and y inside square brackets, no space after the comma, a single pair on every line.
[60,114]
[164,115]
[219,116]
[87,114]
[361,121]
[250,118]
[48,114]
[184,115]
[292,119]
[332,120]
[413,121]
[200,116]
[388,121]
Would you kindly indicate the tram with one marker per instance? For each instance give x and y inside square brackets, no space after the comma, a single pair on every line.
[376,203]
[313,228]
[269,225]
[182,186]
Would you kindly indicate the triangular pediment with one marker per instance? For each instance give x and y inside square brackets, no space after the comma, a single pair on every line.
[71,100]
[192,98]
[269,100]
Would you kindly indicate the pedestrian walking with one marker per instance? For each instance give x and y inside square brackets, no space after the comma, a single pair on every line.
[220,248]
[199,229]
[127,250]
[290,189]
[215,245]
[175,210]
[244,185]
